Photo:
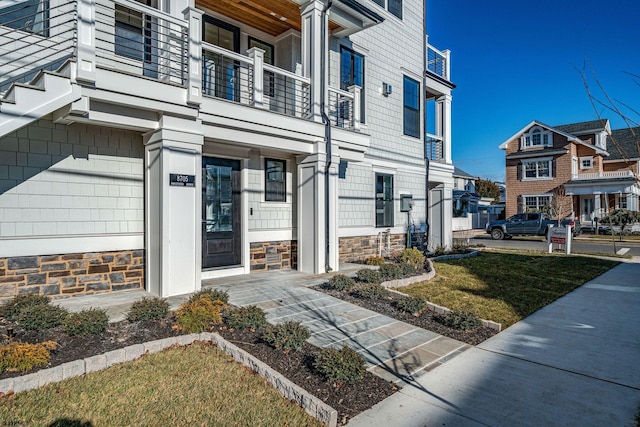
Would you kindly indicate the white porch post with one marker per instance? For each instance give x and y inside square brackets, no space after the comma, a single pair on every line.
[443,125]
[312,27]
[173,207]
[355,91]
[86,54]
[597,208]
[258,75]
[194,52]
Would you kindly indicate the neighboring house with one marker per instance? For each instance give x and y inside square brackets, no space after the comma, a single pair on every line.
[597,166]
[155,144]
[465,199]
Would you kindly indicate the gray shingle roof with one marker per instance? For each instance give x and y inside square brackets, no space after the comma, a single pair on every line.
[582,126]
[625,142]
[462,174]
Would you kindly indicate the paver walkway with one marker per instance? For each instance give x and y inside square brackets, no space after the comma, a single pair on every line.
[394,350]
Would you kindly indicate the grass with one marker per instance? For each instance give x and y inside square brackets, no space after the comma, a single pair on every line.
[195,385]
[507,286]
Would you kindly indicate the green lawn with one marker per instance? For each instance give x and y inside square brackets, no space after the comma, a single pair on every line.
[199,385]
[507,286]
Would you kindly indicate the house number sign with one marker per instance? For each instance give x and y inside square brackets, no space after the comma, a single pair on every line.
[180,180]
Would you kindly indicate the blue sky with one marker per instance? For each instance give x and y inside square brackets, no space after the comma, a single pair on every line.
[516,61]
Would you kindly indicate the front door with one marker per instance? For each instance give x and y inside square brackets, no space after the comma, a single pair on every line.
[221,237]
[588,206]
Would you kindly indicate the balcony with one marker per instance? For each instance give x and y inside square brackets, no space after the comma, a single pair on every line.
[602,175]
[128,37]
[434,148]
[438,62]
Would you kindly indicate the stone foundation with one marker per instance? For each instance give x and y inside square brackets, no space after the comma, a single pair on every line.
[358,249]
[72,274]
[281,255]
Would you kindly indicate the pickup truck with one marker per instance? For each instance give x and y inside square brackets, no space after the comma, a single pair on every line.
[527,224]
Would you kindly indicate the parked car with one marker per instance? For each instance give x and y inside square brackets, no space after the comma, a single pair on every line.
[528,224]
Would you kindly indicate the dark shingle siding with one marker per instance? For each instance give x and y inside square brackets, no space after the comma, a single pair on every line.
[625,141]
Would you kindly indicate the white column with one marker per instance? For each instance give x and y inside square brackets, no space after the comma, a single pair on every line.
[355,91]
[597,208]
[258,75]
[194,80]
[312,27]
[447,209]
[447,64]
[173,213]
[443,125]
[86,28]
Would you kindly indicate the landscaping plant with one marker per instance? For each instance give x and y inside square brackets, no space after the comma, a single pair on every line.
[366,275]
[286,336]
[210,294]
[245,317]
[372,291]
[340,366]
[414,257]
[341,282]
[411,304]
[23,357]
[375,260]
[198,315]
[391,271]
[152,308]
[91,321]
[15,305]
[461,319]
[41,317]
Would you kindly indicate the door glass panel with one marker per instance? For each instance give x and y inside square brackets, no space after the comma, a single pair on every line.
[218,199]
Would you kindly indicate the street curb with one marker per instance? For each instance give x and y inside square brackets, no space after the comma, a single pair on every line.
[311,404]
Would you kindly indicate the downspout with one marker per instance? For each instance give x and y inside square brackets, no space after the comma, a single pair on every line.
[425,245]
[327,132]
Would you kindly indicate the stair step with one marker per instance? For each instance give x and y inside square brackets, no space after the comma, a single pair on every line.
[10,95]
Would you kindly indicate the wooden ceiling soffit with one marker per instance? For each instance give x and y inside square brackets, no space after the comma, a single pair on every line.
[273,17]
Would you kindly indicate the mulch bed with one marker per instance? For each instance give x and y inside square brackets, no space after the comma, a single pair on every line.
[427,319]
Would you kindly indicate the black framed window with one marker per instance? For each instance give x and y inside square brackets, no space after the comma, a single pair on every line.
[352,73]
[133,38]
[384,200]
[275,180]
[411,113]
[395,7]
[269,51]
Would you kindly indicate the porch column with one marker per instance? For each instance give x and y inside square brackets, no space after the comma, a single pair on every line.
[173,207]
[443,125]
[597,208]
[312,211]
[86,51]
[447,209]
[194,80]
[312,28]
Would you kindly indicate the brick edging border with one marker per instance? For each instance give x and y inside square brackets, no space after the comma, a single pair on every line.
[311,404]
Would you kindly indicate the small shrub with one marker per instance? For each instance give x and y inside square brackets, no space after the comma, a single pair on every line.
[390,271]
[408,269]
[199,315]
[439,250]
[341,282]
[153,308]
[245,317]
[14,306]
[286,336]
[41,317]
[375,260]
[210,294]
[23,357]
[372,291]
[411,304]
[367,275]
[86,322]
[464,320]
[340,366]
[413,256]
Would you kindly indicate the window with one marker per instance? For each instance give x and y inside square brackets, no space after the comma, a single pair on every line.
[352,73]
[621,201]
[586,162]
[133,32]
[536,203]
[275,180]
[536,169]
[411,99]
[537,137]
[393,6]
[384,200]
[30,16]
[269,77]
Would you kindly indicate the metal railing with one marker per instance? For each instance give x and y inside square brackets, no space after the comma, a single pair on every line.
[141,40]
[341,108]
[35,37]
[433,148]
[226,74]
[438,62]
[285,92]
[602,175]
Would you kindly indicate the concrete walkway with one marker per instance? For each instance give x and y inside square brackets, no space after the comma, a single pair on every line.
[394,350]
[575,362]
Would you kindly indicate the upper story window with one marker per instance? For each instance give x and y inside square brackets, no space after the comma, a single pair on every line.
[133,32]
[275,179]
[393,6]
[586,162]
[537,169]
[411,113]
[30,16]
[352,74]
[536,137]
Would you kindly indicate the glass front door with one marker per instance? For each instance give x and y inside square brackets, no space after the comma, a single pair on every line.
[588,206]
[221,237]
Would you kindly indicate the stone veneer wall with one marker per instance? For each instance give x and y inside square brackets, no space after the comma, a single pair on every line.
[72,274]
[357,249]
[281,255]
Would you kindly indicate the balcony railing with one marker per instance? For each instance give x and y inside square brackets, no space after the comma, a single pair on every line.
[344,107]
[602,175]
[434,148]
[438,62]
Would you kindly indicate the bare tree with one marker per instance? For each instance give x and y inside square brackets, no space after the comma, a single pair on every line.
[560,204]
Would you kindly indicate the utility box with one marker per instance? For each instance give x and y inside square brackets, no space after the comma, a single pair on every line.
[406,202]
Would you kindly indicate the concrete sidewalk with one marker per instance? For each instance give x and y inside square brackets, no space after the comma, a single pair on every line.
[575,362]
